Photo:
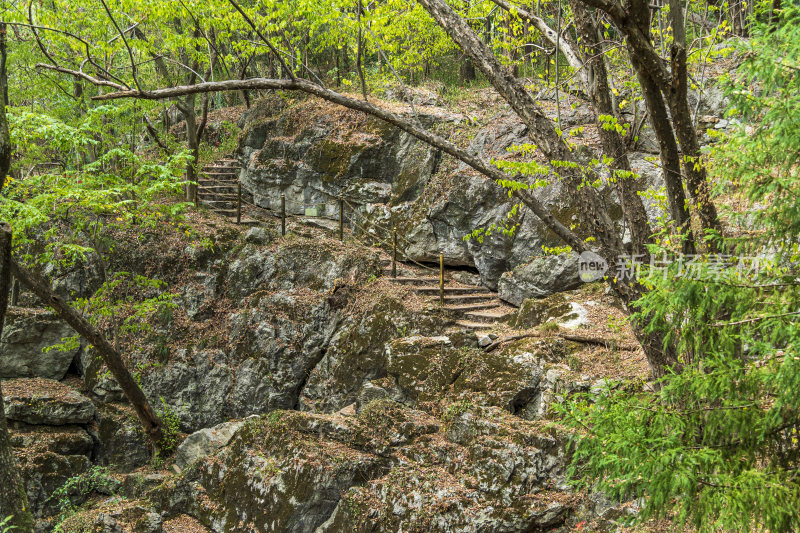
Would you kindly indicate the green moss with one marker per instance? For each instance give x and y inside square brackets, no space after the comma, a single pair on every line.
[332,158]
[534,312]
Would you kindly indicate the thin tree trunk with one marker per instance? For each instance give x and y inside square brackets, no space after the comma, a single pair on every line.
[3,59]
[466,70]
[359,53]
[633,22]
[775,14]
[595,79]
[111,357]
[669,155]
[695,171]
[5,140]
[13,499]
[190,118]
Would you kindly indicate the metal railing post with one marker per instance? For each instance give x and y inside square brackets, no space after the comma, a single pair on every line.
[341,218]
[283,215]
[15,292]
[441,279]
[394,254]
[239,203]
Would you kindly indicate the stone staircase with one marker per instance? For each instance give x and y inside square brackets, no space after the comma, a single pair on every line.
[475,307]
[217,186]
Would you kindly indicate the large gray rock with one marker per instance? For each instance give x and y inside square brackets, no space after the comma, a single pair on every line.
[274,345]
[205,442]
[122,443]
[315,265]
[356,353]
[79,279]
[23,349]
[311,170]
[388,177]
[44,401]
[383,470]
[540,277]
[282,472]
[48,456]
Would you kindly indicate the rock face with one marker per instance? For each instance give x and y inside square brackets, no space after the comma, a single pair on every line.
[286,315]
[122,443]
[539,278]
[346,474]
[282,459]
[534,311]
[394,180]
[26,336]
[79,279]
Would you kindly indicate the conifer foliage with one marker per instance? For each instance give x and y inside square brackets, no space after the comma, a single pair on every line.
[718,444]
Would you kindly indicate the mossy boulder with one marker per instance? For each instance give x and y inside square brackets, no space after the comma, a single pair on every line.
[28,336]
[357,353]
[423,366]
[123,445]
[540,277]
[44,401]
[307,263]
[274,476]
[536,311]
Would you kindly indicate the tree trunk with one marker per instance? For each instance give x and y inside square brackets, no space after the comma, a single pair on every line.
[668,153]
[111,357]
[5,139]
[360,53]
[736,18]
[13,499]
[466,70]
[186,107]
[633,22]
[775,14]
[695,171]
[595,79]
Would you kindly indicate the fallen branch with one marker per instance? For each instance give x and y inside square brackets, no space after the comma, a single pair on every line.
[526,196]
[583,339]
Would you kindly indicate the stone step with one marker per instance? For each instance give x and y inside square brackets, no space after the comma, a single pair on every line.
[226,212]
[410,280]
[220,175]
[480,306]
[225,204]
[216,187]
[434,289]
[230,182]
[472,325]
[401,268]
[217,195]
[487,316]
[468,299]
